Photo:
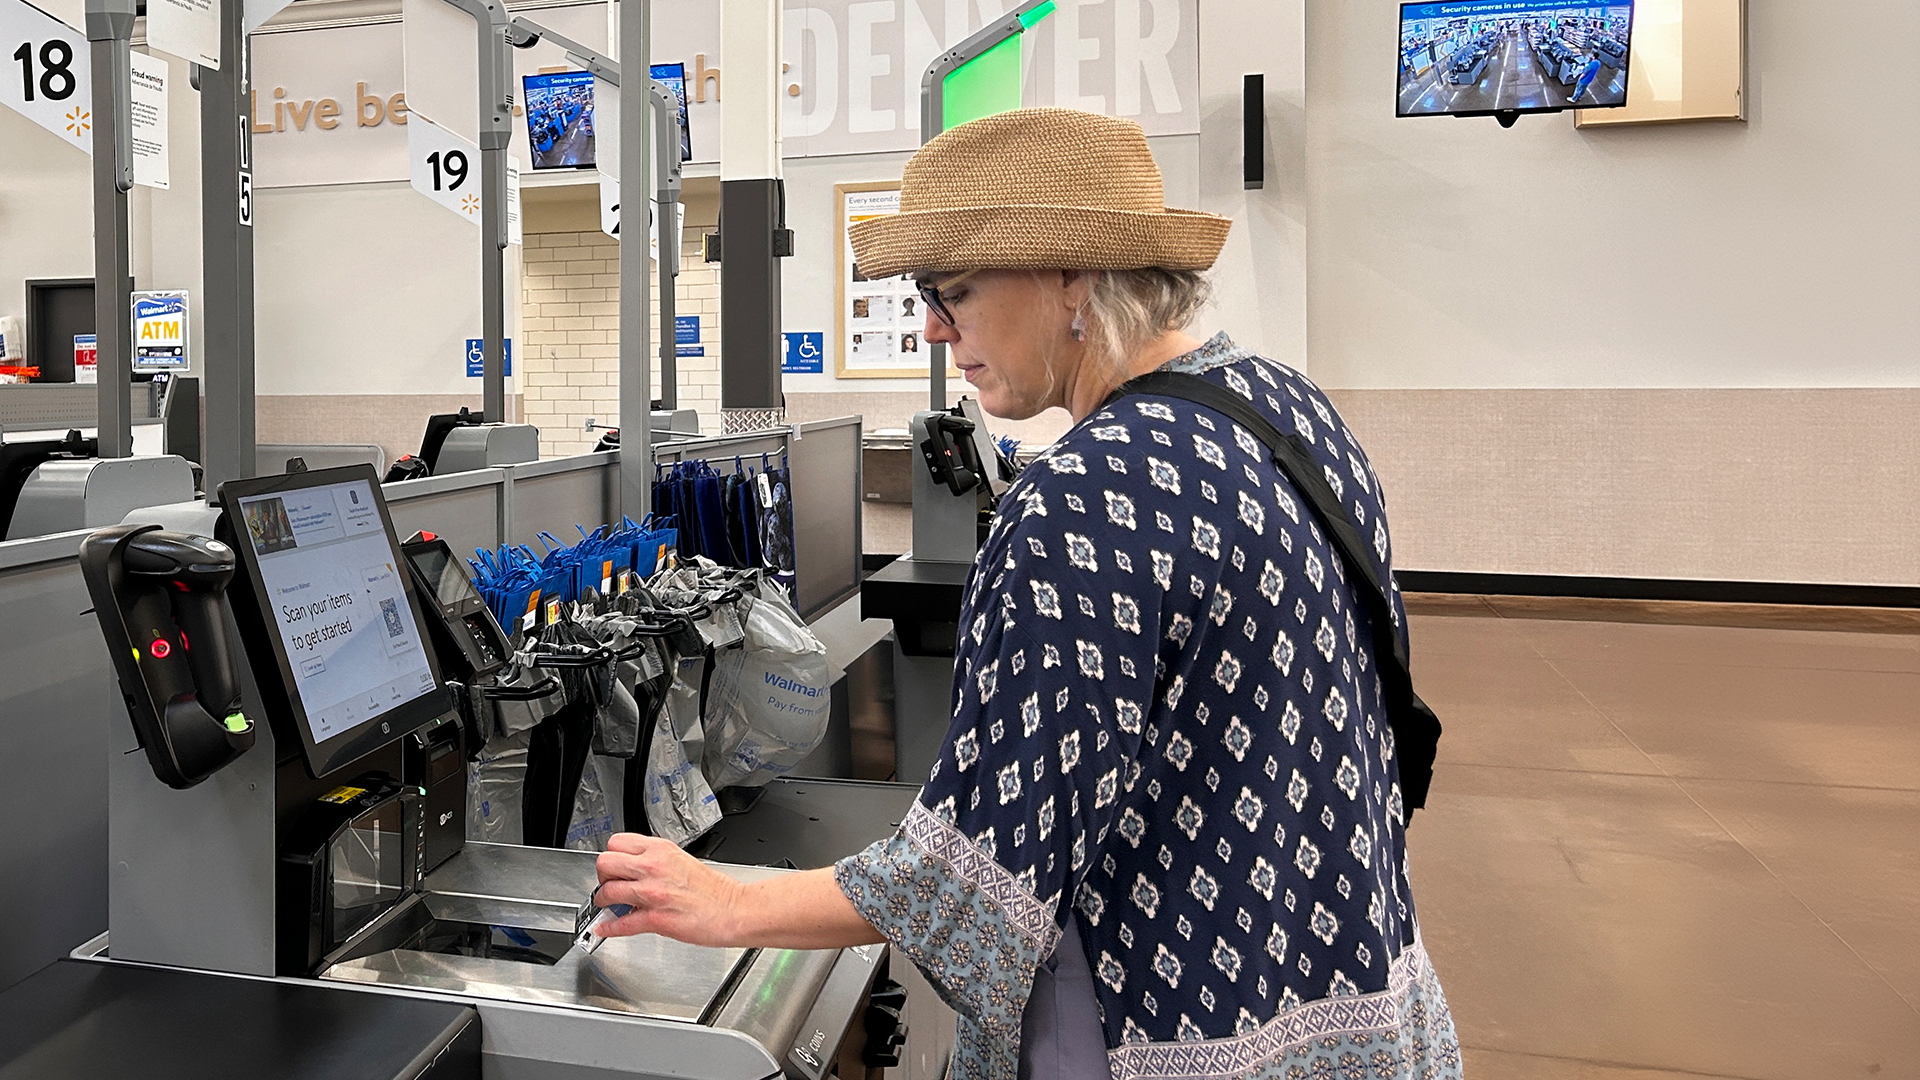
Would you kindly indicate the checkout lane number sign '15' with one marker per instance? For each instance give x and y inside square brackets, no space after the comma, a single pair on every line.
[49,72]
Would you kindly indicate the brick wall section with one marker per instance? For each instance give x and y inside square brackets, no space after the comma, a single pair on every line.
[569,367]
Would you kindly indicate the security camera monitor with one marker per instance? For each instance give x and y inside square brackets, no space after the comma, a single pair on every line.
[327,606]
[675,77]
[1512,56]
[560,119]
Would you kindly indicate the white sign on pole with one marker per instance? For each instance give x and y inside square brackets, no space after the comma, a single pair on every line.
[513,203]
[606,127]
[51,81]
[610,216]
[188,29]
[150,122]
[609,205]
[255,12]
[442,65]
[71,12]
[444,167]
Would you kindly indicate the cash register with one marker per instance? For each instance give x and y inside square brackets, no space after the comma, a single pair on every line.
[303,852]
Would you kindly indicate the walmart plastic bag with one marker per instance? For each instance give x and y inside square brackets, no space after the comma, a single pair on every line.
[515,717]
[680,803]
[769,699]
[592,823]
[495,781]
[617,720]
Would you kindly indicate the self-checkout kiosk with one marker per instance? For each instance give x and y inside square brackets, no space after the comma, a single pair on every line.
[297,814]
[955,491]
[59,485]
[464,441]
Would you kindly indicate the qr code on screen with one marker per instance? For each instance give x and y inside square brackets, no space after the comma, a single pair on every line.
[390,611]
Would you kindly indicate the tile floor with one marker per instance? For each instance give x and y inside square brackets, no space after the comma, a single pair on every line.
[1672,840]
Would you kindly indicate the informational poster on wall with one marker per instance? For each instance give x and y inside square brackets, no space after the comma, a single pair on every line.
[880,319]
[160,331]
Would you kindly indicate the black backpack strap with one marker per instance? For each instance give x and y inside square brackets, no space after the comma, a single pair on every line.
[1416,730]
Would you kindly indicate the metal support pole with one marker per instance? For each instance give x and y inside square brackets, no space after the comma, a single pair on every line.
[110,30]
[636,163]
[666,119]
[496,128]
[226,228]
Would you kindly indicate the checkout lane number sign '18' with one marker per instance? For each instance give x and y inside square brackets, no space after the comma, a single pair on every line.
[49,72]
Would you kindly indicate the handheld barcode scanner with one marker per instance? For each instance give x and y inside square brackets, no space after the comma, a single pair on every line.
[160,599]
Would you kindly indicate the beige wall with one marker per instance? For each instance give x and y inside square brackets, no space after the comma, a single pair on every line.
[1797,485]
[1686,351]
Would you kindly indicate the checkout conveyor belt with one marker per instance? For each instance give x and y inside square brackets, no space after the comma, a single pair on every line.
[82,1020]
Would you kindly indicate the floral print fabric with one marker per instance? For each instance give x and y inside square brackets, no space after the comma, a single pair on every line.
[1166,725]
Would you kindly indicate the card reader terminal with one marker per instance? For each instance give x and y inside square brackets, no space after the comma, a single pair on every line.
[465,624]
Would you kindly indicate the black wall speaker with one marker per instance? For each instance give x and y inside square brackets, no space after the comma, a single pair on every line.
[1254,130]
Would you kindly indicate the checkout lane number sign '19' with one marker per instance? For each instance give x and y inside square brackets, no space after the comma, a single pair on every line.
[444,167]
[49,73]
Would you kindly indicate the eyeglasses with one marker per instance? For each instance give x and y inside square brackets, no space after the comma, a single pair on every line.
[931,294]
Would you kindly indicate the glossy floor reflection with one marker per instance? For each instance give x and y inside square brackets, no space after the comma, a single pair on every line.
[1673,840]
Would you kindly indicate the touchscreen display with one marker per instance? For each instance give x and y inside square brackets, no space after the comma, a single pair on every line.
[339,604]
[450,586]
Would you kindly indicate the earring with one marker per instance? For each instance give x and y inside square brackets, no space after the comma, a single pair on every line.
[1079,328]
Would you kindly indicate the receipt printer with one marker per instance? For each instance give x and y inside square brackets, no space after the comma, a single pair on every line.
[160,597]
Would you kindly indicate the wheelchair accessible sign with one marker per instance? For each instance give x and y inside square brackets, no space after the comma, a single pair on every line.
[476,358]
[805,354]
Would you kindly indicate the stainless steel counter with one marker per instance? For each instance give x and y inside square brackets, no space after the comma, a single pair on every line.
[536,891]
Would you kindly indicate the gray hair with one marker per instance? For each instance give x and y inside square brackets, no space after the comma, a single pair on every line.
[1127,309]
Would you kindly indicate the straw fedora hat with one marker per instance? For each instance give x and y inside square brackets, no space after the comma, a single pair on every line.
[1051,189]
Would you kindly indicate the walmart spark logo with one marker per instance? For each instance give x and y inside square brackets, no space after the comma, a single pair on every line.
[79,122]
[470,204]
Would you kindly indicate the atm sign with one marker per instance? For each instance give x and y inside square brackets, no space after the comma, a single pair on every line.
[160,331]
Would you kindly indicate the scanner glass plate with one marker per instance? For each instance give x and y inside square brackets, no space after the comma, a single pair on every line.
[367,870]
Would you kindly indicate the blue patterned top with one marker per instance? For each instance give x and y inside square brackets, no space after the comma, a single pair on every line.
[1166,725]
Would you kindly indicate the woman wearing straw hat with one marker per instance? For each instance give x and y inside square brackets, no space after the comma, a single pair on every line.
[1165,836]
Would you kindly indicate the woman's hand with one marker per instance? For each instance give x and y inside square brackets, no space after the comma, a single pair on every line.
[676,895]
[672,893]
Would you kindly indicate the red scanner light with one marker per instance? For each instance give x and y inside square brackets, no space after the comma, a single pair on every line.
[160,649]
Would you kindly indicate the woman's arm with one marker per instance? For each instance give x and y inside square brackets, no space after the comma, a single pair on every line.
[676,895]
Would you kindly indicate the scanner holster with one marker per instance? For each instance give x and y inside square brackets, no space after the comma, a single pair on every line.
[160,599]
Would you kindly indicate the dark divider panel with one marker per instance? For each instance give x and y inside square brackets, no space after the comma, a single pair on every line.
[58,701]
[825,462]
